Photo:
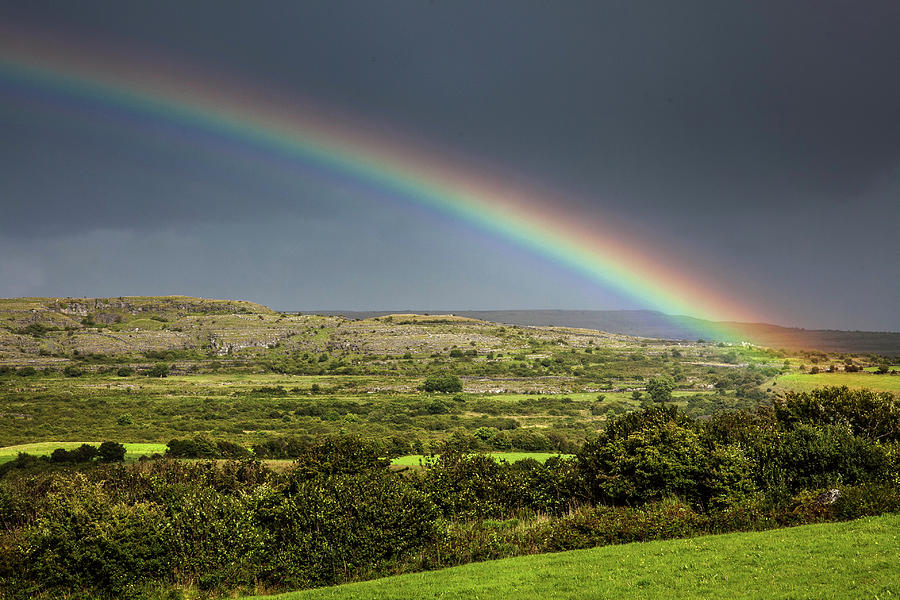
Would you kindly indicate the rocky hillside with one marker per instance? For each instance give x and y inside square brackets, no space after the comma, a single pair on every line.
[36,331]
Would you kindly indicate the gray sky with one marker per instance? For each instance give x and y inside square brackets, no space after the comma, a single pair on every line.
[759,141]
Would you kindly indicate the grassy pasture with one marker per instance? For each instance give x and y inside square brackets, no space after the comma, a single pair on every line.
[132,450]
[803,382]
[855,559]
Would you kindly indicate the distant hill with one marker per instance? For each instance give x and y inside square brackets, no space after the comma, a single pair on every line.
[56,326]
[652,324]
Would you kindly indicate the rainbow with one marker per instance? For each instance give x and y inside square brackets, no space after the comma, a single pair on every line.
[368,155]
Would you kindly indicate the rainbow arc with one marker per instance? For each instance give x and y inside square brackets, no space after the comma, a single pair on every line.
[350,148]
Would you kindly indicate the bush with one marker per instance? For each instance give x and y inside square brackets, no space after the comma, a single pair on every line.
[875,415]
[437,407]
[198,447]
[318,539]
[660,389]
[84,453]
[111,452]
[822,457]
[228,449]
[158,370]
[60,455]
[445,383]
[658,453]
[605,525]
[72,371]
[866,500]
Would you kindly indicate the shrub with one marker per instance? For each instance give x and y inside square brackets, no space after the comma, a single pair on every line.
[158,370]
[867,500]
[875,415]
[660,389]
[84,453]
[111,452]
[658,453]
[328,528]
[445,383]
[810,457]
[198,447]
[60,455]
[228,449]
[437,407]
[72,371]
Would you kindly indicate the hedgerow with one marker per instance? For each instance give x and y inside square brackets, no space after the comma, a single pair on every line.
[91,529]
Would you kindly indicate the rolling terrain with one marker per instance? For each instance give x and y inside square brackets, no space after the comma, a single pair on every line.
[653,324]
[164,447]
[836,560]
[80,369]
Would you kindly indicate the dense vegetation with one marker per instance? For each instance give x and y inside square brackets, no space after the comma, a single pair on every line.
[813,561]
[340,514]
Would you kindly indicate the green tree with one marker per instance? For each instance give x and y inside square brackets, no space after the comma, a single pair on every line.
[60,455]
[111,452]
[158,370]
[84,453]
[442,382]
[660,389]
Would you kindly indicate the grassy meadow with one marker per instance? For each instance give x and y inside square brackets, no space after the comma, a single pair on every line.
[851,560]
[803,382]
[133,451]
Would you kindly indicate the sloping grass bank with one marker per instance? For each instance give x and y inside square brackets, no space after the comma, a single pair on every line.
[855,559]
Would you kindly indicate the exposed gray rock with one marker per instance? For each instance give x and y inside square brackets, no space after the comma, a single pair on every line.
[829,497]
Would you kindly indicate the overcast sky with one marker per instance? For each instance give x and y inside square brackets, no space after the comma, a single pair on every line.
[758,141]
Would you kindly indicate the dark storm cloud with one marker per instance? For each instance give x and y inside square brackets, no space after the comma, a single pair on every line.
[760,139]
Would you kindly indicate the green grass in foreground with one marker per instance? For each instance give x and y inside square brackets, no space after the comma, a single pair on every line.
[413,460]
[855,559]
[804,382]
[132,451]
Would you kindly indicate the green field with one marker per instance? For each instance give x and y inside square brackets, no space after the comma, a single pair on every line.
[805,382]
[132,451]
[856,559]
